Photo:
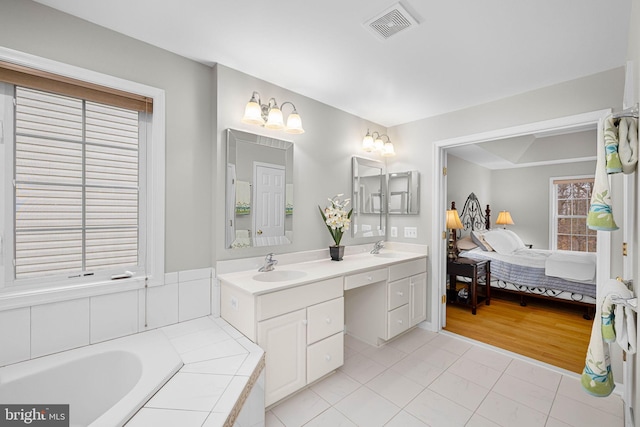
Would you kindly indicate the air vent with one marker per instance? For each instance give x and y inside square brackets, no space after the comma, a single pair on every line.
[390,22]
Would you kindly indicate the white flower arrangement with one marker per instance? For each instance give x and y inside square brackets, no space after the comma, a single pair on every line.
[336,217]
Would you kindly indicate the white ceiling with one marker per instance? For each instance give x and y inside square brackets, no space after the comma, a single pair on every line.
[461,53]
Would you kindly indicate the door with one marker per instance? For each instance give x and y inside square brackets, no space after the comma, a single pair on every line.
[269,202]
[284,340]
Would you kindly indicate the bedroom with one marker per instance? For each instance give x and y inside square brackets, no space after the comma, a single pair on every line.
[515,174]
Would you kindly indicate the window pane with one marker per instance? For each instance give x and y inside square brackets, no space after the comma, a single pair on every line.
[573,197]
[76,204]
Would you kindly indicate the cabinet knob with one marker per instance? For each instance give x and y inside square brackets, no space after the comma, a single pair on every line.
[400,321]
[400,293]
[328,320]
[304,322]
[369,278]
[327,357]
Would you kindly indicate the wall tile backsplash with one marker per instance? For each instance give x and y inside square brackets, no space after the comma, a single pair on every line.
[36,331]
[15,329]
[59,326]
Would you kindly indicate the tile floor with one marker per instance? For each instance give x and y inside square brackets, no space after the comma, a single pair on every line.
[441,380]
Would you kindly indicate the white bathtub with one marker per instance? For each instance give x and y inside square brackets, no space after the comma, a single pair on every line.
[104,384]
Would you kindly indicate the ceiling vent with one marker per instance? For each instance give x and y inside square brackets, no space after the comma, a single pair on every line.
[390,22]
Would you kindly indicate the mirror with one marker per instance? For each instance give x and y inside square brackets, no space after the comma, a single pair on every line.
[259,190]
[404,193]
[368,198]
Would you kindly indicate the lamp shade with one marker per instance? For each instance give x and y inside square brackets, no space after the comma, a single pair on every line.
[367,142]
[253,113]
[294,123]
[275,119]
[388,150]
[378,144]
[504,218]
[453,220]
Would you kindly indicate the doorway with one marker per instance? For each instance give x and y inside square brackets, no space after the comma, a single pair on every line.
[567,124]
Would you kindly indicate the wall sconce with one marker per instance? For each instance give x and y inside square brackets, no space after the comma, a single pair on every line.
[504,219]
[270,116]
[453,224]
[374,142]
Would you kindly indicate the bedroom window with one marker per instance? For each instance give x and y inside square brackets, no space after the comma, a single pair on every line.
[81,182]
[570,206]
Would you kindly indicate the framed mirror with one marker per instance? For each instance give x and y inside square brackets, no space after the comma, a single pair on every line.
[368,198]
[258,190]
[404,193]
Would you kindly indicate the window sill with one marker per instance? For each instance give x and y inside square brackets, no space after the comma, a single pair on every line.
[11,299]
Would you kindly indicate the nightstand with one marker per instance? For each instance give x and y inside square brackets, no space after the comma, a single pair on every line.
[475,270]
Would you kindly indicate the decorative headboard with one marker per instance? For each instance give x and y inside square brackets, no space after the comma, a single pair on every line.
[472,217]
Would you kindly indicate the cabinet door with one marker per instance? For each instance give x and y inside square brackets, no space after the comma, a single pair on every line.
[418,300]
[284,339]
[325,356]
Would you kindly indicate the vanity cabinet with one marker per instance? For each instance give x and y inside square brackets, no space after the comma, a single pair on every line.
[299,328]
[390,304]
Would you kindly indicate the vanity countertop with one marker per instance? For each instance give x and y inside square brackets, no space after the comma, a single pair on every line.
[313,271]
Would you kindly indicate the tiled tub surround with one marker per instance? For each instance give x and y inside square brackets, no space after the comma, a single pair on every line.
[221,382]
[58,326]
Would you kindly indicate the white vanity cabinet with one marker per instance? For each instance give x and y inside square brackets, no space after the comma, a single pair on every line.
[300,328]
[393,301]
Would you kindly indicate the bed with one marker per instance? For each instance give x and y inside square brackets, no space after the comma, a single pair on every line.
[516,268]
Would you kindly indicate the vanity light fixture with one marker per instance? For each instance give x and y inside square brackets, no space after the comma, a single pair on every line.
[270,115]
[373,142]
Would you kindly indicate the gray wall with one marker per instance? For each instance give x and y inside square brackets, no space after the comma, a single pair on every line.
[32,28]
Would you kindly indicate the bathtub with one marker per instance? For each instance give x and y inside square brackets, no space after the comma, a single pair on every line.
[104,384]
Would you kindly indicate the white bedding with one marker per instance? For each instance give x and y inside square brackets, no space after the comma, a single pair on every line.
[575,266]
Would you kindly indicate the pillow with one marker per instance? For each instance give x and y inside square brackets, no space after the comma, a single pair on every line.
[466,244]
[501,241]
[517,238]
[478,239]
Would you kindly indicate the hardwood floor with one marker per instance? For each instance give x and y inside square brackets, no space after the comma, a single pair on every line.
[543,330]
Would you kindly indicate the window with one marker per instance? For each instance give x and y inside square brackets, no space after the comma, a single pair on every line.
[571,198]
[75,186]
[81,184]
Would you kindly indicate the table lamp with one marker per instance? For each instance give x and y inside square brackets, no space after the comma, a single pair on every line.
[504,219]
[453,224]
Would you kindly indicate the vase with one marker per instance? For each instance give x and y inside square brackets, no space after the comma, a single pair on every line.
[336,252]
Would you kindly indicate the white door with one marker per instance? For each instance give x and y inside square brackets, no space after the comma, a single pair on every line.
[269,203]
[284,340]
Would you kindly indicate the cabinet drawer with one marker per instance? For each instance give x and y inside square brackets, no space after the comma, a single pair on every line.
[291,299]
[397,321]
[325,319]
[325,356]
[398,293]
[406,269]
[362,279]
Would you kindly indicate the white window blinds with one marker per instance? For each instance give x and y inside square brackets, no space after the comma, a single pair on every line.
[76,186]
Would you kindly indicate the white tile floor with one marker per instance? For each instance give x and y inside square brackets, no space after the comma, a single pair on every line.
[440,380]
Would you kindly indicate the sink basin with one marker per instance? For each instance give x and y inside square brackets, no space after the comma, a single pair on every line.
[279,275]
[388,255]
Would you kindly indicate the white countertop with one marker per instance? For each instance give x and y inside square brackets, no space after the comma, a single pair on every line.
[317,270]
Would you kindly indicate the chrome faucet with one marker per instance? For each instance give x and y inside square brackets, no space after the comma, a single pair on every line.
[377,246]
[269,263]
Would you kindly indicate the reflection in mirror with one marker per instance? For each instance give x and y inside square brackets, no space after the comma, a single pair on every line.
[404,190]
[368,198]
[259,190]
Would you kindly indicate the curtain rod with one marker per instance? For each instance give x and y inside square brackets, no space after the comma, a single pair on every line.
[629,112]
